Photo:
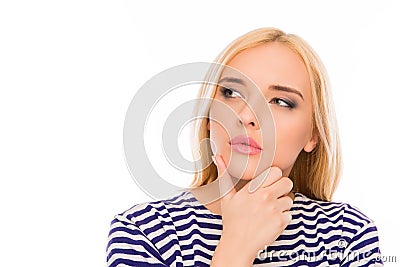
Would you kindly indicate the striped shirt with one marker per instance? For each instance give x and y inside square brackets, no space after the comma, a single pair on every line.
[180,231]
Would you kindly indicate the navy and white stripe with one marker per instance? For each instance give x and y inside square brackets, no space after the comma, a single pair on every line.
[180,231]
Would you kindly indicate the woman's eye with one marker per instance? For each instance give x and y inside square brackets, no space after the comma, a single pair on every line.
[283,103]
[229,93]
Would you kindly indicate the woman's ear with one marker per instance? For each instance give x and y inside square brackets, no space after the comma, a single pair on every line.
[311,143]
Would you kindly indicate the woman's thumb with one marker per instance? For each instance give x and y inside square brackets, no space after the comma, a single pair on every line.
[226,186]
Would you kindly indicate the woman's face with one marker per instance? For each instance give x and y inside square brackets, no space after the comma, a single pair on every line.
[279,74]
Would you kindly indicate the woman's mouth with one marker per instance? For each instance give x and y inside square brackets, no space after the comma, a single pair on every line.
[245,145]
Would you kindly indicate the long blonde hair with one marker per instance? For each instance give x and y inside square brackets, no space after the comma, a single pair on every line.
[314,174]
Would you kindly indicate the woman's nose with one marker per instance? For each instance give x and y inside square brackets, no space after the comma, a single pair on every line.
[247,118]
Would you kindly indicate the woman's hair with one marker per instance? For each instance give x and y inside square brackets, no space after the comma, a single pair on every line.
[314,174]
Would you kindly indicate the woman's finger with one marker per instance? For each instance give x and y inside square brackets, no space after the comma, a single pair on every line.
[281,188]
[266,178]
[285,203]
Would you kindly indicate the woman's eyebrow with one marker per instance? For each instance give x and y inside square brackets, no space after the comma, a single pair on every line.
[286,89]
[232,80]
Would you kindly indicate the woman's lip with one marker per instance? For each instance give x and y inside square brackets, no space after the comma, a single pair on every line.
[243,140]
[245,149]
[245,145]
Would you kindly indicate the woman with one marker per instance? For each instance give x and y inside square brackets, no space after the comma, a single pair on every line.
[265,199]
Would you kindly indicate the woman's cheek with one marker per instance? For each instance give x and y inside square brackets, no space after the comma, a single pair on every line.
[290,140]
[218,138]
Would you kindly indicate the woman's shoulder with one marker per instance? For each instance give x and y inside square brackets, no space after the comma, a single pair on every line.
[157,210]
[145,233]
[347,221]
[332,209]
[344,227]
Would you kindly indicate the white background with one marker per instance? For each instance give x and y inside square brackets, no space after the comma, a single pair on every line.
[68,71]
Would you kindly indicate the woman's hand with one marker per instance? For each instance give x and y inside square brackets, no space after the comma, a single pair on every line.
[253,219]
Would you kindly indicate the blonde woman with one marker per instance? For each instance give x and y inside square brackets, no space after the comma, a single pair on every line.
[266,197]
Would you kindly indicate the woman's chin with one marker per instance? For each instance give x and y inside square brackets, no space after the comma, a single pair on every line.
[241,174]
[240,171]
